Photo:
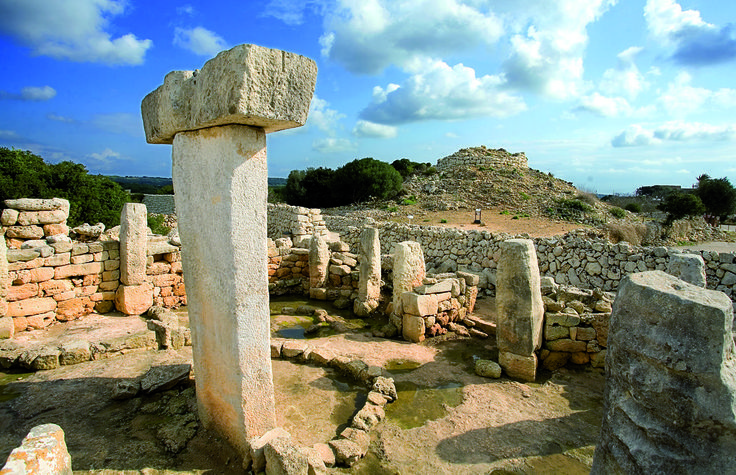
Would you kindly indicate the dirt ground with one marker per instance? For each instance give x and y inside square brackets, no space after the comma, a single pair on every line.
[447,419]
[494,220]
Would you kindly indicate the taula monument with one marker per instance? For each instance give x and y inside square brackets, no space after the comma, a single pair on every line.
[217,119]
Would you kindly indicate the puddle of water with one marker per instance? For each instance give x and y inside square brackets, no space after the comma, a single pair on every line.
[290,325]
[399,366]
[417,405]
[8,391]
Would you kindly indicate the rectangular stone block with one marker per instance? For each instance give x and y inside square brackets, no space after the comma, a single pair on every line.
[422,305]
[75,270]
[33,306]
[22,292]
[82,259]
[58,260]
[54,287]
[517,366]
[24,232]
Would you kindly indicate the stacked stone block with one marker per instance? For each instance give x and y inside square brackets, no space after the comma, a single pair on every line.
[164,272]
[483,158]
[297,222]
[439,304]
[34,219]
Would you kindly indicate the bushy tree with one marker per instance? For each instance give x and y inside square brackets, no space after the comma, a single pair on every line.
[92,198]
[366,178]
[717,194]
[680,205]
[407,168]
[312,187]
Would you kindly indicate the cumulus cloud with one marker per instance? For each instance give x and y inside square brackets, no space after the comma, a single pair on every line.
[31,93]
[333,145]
[322,116]
[442,92]
[366,36]
[625,78]
[292,12]
[675,131]
[693,41]
[73,29]
[364,128]
[199,40]
[547,55]
[681,98]
[60,118]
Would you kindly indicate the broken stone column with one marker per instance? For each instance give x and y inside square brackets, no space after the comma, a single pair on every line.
[520,309]
[687,267]
[670,380]
[319,262]
[369,285]
[217,119]
[409,271]
[6,323]
[134,296]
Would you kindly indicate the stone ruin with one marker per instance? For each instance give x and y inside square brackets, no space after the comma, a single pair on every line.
[483,158]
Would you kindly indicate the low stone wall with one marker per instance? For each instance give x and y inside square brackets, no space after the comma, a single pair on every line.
[482,157]
[294,221]
[576,258]
[160,204]
[288,272]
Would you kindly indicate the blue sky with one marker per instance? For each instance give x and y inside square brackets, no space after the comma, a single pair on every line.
[608,94]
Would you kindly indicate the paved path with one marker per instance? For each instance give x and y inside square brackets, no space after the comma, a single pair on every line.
[712,246]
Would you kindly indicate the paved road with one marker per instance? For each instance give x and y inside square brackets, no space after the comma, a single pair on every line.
[712,246]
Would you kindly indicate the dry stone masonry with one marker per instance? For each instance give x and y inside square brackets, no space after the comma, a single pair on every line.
[295,222]
[217,119]
[670,380]
[483,158]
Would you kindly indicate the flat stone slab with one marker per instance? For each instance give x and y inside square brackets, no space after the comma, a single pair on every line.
[247,85]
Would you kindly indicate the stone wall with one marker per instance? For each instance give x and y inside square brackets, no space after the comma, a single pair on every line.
[288,272]
[482,157]
[577,258]
[159,204]
[294,221]
[56,279]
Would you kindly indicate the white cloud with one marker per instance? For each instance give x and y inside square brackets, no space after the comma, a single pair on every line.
[72,29]
[60,118]
[674,131]
[8,135]
[292,12]
[681,98]
[547,54]
[199,40]
[442,92]
[604,106]
[31,93]
[366,36]
[364,128]
[186,10]
[333,145]
[625,79]
[104,160]
[322,117]
[692,40]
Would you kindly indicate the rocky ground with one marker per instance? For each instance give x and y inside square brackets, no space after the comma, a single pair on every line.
[447,419]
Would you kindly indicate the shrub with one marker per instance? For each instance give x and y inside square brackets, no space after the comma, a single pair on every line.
[717,194]
[156,223]
[588,198]
[631,233]
[411,200]
[524,196]
[575,205]
[633,207]
[617,212]
[366,178]
[680,205]
[443,221]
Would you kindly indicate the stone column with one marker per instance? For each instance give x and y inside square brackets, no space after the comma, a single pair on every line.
[409,271]
[134,296]
[6,323]
[520,309]
[217,119]
[670,380]
[369,286]
[319,262]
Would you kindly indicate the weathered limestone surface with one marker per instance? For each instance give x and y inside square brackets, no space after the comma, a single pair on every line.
[670,380]
[409,270]
[133,241]
[134,299]
[319,261]
[248,85]
[688,267]
[519,298]
[43,451]
[4,283]
[220,176]
[38,204]
[369,285]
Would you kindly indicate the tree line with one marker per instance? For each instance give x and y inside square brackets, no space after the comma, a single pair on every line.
[715,197]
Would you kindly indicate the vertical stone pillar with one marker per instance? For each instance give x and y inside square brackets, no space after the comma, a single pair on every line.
[520,309]
[369,285]
[687,267]
[670,380]
[409,271]
[319,262]
[6,323]
[217,119]
[134,296]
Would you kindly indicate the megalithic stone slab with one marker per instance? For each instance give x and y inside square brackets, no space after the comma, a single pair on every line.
[670,380]
[409,270]
[4,283]
[319,261]
[248,84]
[220,177]
[133,242]
[369,287]
[519,302]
